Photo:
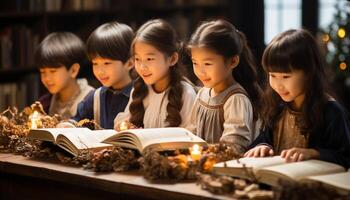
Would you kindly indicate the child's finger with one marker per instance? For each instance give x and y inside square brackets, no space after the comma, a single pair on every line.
[289,155]
[246,153]
[256,152]
[300,157]
[295,157]
[262,152]
[283,153]
[271,152]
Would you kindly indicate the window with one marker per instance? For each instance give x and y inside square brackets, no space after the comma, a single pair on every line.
[281,15]
[326,12]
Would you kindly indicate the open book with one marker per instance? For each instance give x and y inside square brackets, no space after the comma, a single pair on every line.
[73,140]
[157,139]
[270,170]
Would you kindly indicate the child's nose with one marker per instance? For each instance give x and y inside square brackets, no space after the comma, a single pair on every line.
[280,86]
[202,70]
[101,70]
[143,65]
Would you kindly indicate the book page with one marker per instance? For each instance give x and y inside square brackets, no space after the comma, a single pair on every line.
[50,134]
[83,138]
[142,138]
[161,135]
[103,134]
[338,180]
[298,170]
[250,162]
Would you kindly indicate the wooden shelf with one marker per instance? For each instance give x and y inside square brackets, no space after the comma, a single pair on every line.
[8,73]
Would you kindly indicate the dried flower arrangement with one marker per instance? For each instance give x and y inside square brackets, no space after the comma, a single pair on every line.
[307,190]
[14,128]
[181,166]
[241,189]
[113,159]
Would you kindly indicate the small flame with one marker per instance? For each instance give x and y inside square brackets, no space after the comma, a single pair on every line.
[35,120]
[196,152]
[123,126]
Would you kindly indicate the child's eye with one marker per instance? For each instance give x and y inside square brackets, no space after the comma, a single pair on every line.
[286,76]
[272,75]
[107,63]
[150,59]
[137,59]
[53,71]
[207,64]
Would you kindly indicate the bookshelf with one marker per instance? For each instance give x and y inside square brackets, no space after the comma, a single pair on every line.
[24,23]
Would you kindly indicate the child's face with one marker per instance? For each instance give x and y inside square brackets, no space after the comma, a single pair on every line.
[211,68]
[55,79]
[152,65]
[111,73]
[290,86]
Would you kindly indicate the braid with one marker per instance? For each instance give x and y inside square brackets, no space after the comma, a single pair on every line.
[137,110]
[175,98]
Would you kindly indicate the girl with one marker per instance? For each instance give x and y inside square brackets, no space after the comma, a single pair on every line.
[227,108]
[59,58]
[301,120]
[109,50]
[160,97]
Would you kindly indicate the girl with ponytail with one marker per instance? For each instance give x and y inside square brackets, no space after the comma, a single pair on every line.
[227,108]
[160,97]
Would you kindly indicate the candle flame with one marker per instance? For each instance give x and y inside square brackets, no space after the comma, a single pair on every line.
[196,152]
[35,120]
[123,126]
[195,148]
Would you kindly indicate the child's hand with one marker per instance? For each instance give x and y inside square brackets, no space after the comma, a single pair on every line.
[65,125]
[124,125]
[259,151]
[299,154]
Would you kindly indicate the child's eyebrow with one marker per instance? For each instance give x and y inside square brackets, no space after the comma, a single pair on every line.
[208,59]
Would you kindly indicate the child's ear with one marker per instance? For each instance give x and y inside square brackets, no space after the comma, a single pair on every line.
[129,64]
[234,61]
[74,70]
[174,58]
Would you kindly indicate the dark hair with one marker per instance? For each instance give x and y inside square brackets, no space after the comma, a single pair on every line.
[61,49]
[223,38]
[111,40]
[163,37]
[296,50]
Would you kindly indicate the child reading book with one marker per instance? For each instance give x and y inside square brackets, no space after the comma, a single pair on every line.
[160,97]
[227,108]
[109,50]
[59,58]
[301,119]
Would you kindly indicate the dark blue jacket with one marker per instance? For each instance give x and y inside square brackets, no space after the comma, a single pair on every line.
[331,138]
[111,103]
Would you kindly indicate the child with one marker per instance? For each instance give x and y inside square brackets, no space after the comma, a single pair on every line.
[160,97]
[109,50]
[301,120]
[59,58]
[227,107]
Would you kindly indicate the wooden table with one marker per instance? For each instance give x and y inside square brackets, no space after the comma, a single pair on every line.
[24,178]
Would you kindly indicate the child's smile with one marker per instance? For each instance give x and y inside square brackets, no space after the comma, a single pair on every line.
[289,86]
[211,69]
